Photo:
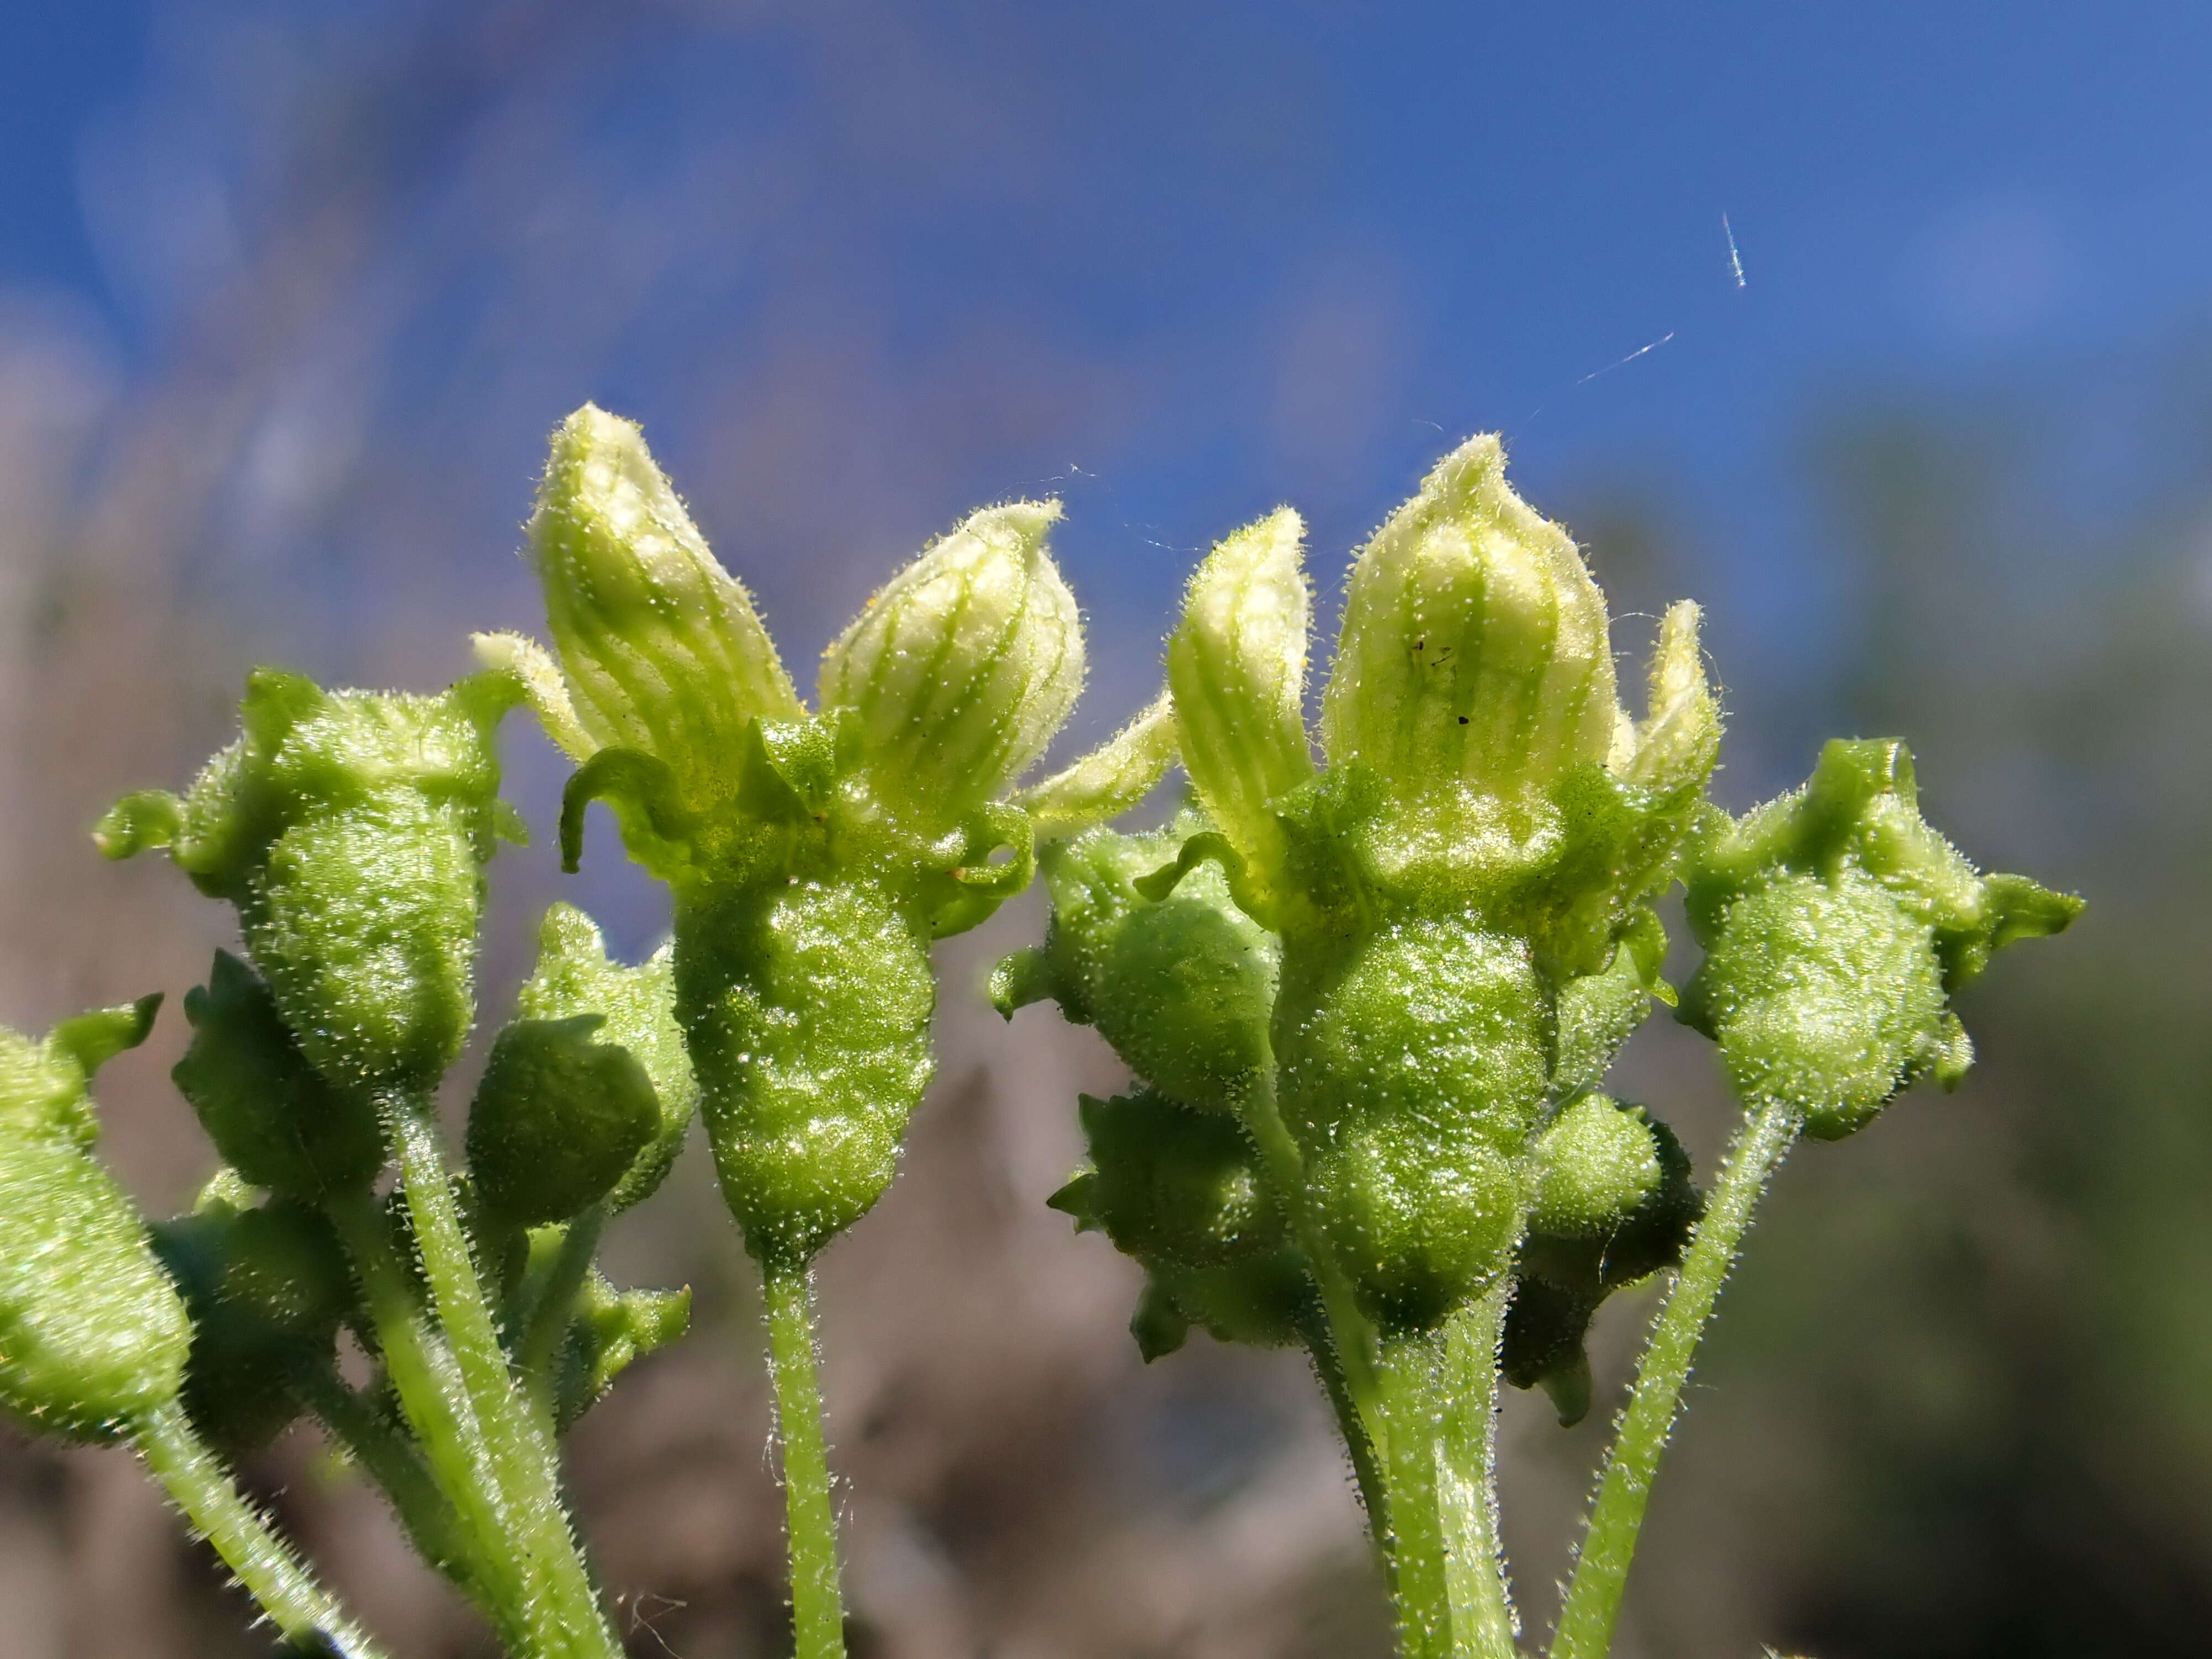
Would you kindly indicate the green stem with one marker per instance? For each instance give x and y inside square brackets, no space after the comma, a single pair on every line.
[429,1517]
[438,1410]
[1351,1337]
[1465,1412]
[1593,1597]
[817,1609]
[548,1330]
[1374,1496]
[563,1614]
[307,1616]
[1439,1396]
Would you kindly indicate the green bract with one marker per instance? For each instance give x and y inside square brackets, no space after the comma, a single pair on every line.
[351,830]
[812,858]
[92,1338]
[1837,926]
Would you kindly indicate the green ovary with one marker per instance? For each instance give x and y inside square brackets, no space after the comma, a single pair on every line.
[365,929]
[806,1008]
[1414,1078]
[92,1334]
[1826,996]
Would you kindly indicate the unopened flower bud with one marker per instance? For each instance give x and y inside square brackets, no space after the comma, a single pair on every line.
[92,1336]
[1182,987]
[573,976]
[350,829]
[272,1116]
[1594,1165]
[1236,664]
[1614,1204]
[1474,647]
[962,667]
[661,646]
[1170,1186]
[558,1118]
[1837,925]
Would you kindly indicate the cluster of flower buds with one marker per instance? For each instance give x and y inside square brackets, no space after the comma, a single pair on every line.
[1430,948]
[1183,988]
[812,858]
[1837,926]
[351,830]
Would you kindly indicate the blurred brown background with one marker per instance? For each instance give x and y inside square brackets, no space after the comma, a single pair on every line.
[290,298]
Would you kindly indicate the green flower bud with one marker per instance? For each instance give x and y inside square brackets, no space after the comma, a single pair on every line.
[1236,664]
[270,1114]
[350,829]
[806,1010]
[1170,1186]
[962,666]
[558,1120]
[1474,650]
[638,1005]
[662,649]
[92,1334]
[1180,1193]
[1183,988]
[1259,1302]
[1824,994]
[1596,1164]
[1836,926]
[267,1289]
[1614,1204]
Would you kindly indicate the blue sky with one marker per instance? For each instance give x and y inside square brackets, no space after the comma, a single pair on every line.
[860,266]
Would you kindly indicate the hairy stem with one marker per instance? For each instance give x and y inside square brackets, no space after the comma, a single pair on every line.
[1374,1496]
[309,1618]
[1350,1338]
[539,1357]
[1466,1413]
[564,1614]
[1439,1396]
[427,1516]
[1592,1604]
[817,1609]
[440,1411]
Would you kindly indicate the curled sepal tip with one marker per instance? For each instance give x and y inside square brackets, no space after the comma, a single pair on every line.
[962,666]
